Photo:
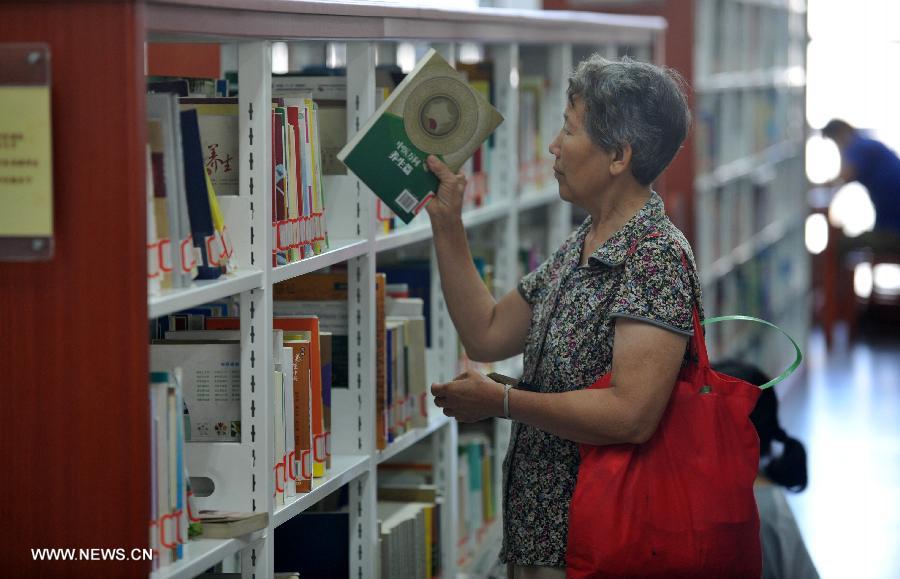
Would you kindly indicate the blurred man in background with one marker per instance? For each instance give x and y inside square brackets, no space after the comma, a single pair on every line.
[877,168]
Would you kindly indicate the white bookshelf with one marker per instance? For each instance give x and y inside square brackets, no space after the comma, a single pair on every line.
[203,292]
[749,81]
[350,209]
[344,469]
[745,183]
[204,553]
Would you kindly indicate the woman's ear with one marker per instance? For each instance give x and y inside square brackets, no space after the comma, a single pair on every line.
[621,160]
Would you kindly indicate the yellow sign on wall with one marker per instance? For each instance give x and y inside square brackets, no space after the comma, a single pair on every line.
[26,167]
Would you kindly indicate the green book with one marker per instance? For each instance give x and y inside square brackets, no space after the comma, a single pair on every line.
[433,111]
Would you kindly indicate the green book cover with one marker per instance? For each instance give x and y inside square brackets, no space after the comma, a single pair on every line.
[433,111]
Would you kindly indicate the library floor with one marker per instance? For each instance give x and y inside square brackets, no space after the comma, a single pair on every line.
[847,413]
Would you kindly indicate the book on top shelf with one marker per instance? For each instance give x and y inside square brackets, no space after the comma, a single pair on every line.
[433,111]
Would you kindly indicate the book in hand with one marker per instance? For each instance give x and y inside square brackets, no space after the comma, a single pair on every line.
[227,524]
[433,111]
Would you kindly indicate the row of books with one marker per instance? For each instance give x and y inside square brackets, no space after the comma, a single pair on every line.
[737,124]
[741,36]
[766,287]
[741,209]
[409,531]
[480,76]
[169,518]
[476,496]
[409,535]
[535,162]
[193,179]
[193,318]
[187,237]
[298,203]
[174,518]
[331,99]
[401,382]
[299,227]
[483,258]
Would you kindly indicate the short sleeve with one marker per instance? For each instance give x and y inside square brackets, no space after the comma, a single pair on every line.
[656,288]
[534,286]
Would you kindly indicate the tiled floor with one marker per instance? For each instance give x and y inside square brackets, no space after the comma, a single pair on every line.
[847,412]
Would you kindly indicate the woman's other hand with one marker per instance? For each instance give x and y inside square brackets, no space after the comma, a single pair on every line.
[448,201]
[470,397]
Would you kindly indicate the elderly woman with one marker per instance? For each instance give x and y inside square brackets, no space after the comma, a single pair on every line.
[616,296]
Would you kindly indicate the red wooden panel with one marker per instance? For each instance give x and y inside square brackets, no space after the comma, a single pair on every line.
[189,60]
[74,415]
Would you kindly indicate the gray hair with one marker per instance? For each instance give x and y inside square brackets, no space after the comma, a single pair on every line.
[633,103]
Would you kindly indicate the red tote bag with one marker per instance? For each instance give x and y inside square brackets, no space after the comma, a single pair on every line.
[681,504]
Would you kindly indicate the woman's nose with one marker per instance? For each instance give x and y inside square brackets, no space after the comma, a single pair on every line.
[553,148]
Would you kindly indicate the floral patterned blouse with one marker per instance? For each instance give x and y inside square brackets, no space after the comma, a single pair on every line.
[570,345]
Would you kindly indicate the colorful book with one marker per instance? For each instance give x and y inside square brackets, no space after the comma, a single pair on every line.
[164,127]
[218,118]
[292,325]
[317,229]
[433,111]
[282,241]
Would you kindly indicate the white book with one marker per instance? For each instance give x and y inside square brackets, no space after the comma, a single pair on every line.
[404,307]
[416,381]
[403,414]
[278,432]
[160,419]
[160,107]
[154,272]
[394,390]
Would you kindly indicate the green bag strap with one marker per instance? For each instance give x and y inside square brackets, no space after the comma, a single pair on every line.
[791,369]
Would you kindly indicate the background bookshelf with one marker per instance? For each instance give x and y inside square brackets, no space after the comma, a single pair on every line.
[76,327]
[738,187]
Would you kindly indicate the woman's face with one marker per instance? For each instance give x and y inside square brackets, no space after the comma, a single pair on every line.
[582,168]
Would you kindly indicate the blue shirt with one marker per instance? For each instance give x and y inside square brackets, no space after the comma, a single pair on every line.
[878,169]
